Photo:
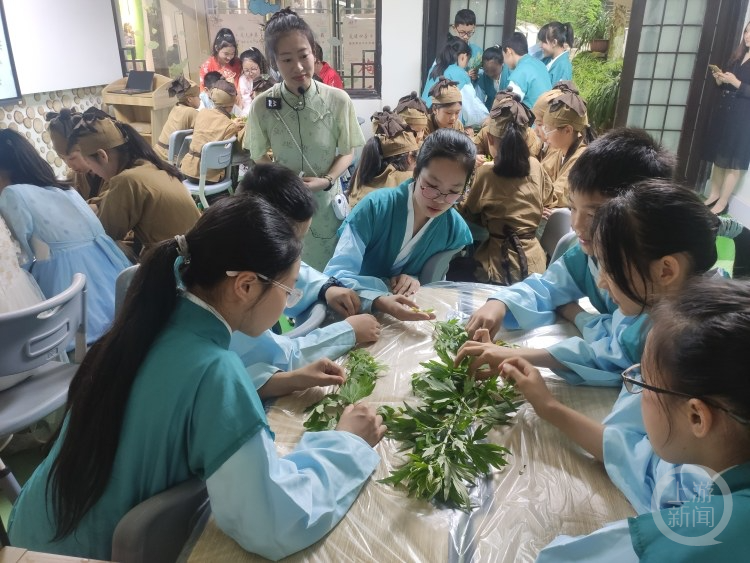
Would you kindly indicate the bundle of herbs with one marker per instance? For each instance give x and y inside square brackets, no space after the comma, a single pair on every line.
[447,433]
[362,373]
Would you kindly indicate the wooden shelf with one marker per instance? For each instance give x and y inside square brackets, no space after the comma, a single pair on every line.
[147,112]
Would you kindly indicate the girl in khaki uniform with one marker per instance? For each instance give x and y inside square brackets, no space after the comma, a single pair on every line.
[508,197]
[388,158]
[182,115]
[414,111]
[215,124]
[566,128]
[85,182]
[446,106]
[145,194]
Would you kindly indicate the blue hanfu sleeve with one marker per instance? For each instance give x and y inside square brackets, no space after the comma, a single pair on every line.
[347,263]
[20,222]
[598,357]
[608,544]
[532,302]
[310,281]
[277,506]
[269,352]
[632,464]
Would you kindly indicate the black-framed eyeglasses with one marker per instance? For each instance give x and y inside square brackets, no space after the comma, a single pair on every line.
[632,379]
[432,193]
[464,34]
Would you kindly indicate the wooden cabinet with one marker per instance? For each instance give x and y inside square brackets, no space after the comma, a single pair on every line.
[146,113]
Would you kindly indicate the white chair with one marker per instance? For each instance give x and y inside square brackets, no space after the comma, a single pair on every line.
[33,341]
[308,321]
[178,147]
[214,156]
[436,266]
[563,245]
[122,283]
[558,225]
[158,528]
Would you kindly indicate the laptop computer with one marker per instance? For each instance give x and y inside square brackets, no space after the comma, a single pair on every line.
[139,82]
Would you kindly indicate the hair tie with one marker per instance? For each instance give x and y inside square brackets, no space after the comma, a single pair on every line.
[183,259]
[182,248]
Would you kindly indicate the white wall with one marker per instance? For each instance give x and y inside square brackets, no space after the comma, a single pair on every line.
[401,35]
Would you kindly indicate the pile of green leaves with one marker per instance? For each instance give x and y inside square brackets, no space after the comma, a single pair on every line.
[449,336]
[362,373]
[447,433]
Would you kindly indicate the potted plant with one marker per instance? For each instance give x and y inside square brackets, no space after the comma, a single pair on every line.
[596,32]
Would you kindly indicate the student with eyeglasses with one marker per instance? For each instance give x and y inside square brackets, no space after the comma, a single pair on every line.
[695,401]
[160,399]
[649,242]
[391,234]
[465,26]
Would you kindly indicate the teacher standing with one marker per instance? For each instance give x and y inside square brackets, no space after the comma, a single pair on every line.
[311,128]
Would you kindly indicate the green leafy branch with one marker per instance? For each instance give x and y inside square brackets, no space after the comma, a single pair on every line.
[447,433]
[362,373]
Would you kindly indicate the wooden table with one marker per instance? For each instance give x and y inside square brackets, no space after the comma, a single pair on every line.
[549,486]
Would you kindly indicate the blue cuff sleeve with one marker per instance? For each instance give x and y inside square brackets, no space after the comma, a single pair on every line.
[277,506]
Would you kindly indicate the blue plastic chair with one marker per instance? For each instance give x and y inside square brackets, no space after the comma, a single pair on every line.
[214,156]
[178,147]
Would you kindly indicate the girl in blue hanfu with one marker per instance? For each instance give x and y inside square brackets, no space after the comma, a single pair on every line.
[391,234]
[696,410]
[649,242]
[169,402]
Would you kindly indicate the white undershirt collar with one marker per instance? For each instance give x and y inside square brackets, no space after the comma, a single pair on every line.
[203,305]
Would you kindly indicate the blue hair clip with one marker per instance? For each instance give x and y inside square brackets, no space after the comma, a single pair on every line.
[178,262]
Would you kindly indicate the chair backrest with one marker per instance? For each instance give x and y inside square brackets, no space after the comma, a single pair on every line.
[217,155]
[176,145]
[563,245]
[158,528]
[121,286]
[436,267]
[558,225]
[38,334]
[307,321]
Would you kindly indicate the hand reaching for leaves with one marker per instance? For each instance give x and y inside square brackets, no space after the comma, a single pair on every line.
[366,328]
[363,421]
[489,316]
[404,285]
[530,382]
[487,355]
[400,307]
[343,300]
[321,373]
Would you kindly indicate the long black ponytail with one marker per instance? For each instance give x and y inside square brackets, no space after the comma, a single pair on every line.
[237,233]
[513,153]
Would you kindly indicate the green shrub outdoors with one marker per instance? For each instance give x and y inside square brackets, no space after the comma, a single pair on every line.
[598,81]
[581,13]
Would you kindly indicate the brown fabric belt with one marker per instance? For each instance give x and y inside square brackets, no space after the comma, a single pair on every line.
[513,240]
[162,145]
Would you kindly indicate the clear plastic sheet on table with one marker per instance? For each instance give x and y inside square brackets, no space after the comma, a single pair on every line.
[549,486]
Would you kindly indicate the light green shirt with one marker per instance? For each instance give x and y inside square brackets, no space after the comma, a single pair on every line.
[325,128]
